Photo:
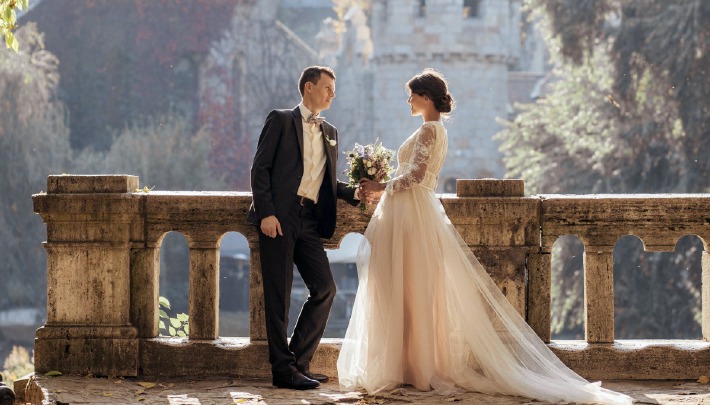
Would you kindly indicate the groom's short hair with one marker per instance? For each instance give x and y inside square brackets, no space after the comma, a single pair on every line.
[312,74]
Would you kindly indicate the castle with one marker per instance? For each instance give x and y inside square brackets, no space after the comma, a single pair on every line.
[475,44]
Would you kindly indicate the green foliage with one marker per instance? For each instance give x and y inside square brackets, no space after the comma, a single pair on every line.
[657,55]
[581,139]
[657,295]
[559,143]
[162,150]
[8,20]
[625,112]
[34,142]
[169,326]
[17,364]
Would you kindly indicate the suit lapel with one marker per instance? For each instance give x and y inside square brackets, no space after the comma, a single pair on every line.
[297,122]
[329,161]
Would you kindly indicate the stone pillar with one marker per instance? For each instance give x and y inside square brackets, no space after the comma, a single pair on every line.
[705,296]
[88,329]
[599,293]
[501,227]
[539,293]
[257,317]
[145,273]
[204,293]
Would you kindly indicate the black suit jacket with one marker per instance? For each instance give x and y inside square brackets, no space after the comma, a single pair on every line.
[278,167]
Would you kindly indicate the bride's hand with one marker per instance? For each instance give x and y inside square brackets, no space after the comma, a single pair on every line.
[371,190]
[371,186]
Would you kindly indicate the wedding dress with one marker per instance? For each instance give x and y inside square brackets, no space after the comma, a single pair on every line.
[427,314]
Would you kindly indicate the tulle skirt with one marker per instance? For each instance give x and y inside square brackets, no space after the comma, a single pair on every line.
[427,314]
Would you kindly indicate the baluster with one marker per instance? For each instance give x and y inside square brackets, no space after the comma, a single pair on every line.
[145,270]
[257,322]
[599,294]
[539,290]
[203,304]
[705,299]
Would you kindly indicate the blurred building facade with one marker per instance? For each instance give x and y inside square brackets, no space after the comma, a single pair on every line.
[477,45]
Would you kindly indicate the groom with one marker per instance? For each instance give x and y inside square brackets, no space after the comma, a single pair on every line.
[295,189]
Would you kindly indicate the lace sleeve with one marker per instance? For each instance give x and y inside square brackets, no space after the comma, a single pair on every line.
[417,166]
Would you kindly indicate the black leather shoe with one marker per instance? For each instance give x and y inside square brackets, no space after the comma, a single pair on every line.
[321,378]
[7,396]
[295,381]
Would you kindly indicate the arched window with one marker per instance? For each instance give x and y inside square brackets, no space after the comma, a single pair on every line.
[421,9]
[471,8]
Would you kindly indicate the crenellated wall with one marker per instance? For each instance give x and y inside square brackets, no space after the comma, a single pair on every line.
[103,261]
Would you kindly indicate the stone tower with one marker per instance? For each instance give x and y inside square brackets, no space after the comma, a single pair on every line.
[472,42]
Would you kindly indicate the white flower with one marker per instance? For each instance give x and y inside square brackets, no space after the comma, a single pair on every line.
[372,171]
[331,142]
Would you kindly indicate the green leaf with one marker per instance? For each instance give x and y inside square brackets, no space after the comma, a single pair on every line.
[187,328]
[175,322]
[163,302]
[25,3]
[10,16]
[53,373]
[14,44]
[161,325]
[181,333]
[182,317]
[172,331]
[163,314]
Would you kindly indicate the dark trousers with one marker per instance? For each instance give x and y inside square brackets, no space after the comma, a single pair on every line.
[300,245]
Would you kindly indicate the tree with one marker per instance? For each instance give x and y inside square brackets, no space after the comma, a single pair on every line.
[123,60]
[8,19]
[658,56]
[585,137]
[614,120]
[34,142]
[162,150]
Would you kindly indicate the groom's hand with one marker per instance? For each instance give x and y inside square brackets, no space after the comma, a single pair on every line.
[373,197]
[270,226]
[371,190]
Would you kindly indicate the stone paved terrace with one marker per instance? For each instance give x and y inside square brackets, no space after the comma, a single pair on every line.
[103,262]
[217,391]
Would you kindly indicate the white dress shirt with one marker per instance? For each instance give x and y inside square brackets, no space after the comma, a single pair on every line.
[313,157]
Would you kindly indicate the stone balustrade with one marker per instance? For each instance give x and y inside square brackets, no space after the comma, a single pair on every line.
[103,262]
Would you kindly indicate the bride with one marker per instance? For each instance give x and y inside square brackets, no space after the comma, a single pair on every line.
[426,312]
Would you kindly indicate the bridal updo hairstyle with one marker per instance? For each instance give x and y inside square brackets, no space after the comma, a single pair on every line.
[432,84]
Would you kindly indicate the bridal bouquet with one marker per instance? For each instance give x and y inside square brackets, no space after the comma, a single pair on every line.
[369,161]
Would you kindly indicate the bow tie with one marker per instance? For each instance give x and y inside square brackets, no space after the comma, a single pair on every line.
[313,119]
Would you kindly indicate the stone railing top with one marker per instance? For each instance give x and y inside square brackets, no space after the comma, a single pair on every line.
[78,184]
[490,188]
[659,196]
